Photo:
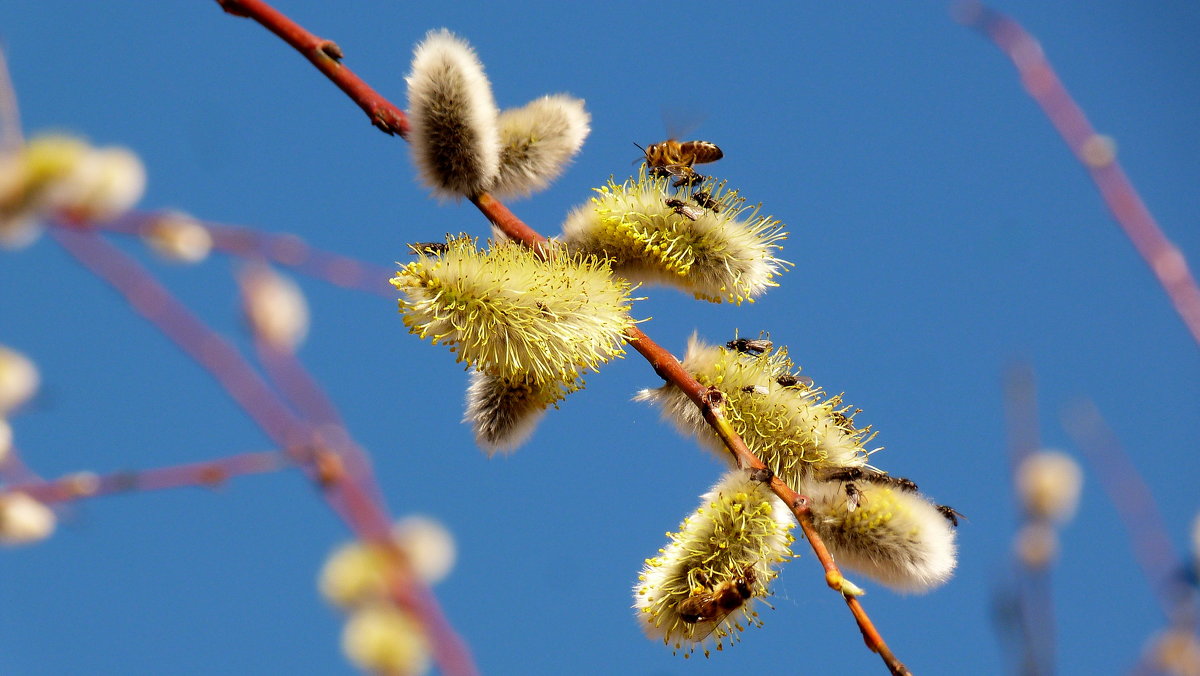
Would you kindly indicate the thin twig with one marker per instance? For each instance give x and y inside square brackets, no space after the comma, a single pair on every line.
[1134,501]
[209,474]
[1096,153]
[287,250]
[663,362]
[1035,604]
[348,495]
[327,57]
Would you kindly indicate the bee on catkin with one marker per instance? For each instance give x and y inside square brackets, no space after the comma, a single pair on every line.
[794,428]
[510,313]
[701,587]
[723,254]
[892,535]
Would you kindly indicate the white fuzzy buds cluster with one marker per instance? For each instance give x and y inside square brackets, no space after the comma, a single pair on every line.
[380,637]
[702,239]
[18,380]
[356,574]
[889,533]
[531,325]
[793,427]
[386,640]
[64,176]
[702,586]
[24,520]
[1049,483]
[178,237]
[274,307]
[464,146]
[872,523]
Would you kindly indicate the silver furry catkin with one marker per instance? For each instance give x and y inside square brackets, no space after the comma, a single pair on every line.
[454,137]
[503,412]
[537,141]
[894,536]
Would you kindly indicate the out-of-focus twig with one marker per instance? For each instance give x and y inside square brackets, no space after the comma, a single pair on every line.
[351,497]
[1033,603]
[1135,504]
[286,250]
[208,474]
[1097,154]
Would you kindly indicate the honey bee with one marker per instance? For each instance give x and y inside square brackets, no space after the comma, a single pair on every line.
[723,599]
[675,158]
[682,209]
[952,515]
[875,477]
[428,247]
[749,346]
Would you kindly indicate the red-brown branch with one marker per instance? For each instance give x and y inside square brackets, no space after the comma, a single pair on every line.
[663,362]
[345,492]
[327,57]
[1166,261]
[209,474]
[287,250]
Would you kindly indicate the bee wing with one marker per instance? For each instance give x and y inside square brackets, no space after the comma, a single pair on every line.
[681,121]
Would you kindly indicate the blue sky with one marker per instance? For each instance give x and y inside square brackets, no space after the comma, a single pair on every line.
[939,227]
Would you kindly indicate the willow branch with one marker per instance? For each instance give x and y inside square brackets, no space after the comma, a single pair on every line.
[164,311]
[345,493]
[327,57]
[1097,155]
[663,362]
[1134,500]
[1034,602]
[209,474]
[286,250]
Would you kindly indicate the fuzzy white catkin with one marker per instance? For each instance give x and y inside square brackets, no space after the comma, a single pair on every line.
[741,530]
[894,536]
[509,312]
[537,141]
[382,639]
[28,176]
[356,573]
[721,254]
[503,412]
[429,546]
[794,429]
[103,184]
[1049,483]
[274,307]
[178,237]
[453,133]
[18,379]
[24,520]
